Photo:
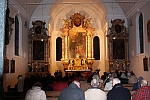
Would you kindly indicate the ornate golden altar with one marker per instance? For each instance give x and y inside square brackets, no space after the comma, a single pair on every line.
[77,43]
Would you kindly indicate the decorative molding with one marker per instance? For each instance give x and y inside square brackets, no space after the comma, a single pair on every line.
[19,8]
[134,9]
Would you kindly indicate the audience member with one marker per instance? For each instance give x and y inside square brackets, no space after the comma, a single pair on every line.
[143,93]
[104,76]
[96,76]
[66,77]
[73,92]
[114,75]
[95,93]
[132,78]
[123,76]
[137,84]
[20,83]
[59,85]
[118,92]
[46,85]
[108,85]
[36,93]
[107,79]
[90,78]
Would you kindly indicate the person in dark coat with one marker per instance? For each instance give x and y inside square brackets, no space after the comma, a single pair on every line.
[118,92]
[73,92]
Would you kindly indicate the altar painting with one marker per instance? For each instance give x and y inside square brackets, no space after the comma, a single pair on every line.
[77,45]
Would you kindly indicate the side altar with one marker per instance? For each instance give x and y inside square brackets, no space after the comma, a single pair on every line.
[77,43]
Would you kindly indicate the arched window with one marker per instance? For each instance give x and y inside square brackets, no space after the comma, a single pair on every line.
[16,36]
[96,48]
[58,49]
[141,33]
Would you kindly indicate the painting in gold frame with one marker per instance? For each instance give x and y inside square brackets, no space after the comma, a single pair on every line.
[145,63]
[77,45]
[12,70]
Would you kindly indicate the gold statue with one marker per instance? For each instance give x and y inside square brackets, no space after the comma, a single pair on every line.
[77,61]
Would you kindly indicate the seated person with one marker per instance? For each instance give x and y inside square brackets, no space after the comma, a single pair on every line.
[118,92]
[107,79]
[143,93]
[95,93]
[103,77]
[59,85]
[36,93]
[96,76]
[137,84]
[132,78]
[72,92]
[46,86]
[108,85]
[123,78]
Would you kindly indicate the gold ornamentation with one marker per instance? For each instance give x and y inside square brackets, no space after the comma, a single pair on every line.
[78,33]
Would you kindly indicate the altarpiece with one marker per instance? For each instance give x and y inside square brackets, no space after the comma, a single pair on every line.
[77,43]
[38,47]
[118,46]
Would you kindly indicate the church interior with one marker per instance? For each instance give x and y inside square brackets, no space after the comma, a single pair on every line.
[84,36]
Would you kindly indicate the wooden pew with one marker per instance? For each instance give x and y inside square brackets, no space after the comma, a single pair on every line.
[14,95]
[128,86]
[51,95]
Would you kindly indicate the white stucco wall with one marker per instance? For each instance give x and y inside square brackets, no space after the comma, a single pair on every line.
[135,58]
[21,61]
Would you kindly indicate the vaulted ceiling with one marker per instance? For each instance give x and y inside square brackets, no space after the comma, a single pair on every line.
[30,5]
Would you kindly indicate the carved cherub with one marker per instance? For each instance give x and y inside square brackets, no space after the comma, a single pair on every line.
[87,22]
[67,23]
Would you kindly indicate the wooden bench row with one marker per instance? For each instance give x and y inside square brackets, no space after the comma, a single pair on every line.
[51,95]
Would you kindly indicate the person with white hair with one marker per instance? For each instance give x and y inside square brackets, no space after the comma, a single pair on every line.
[143,93]
[36,93]
[118,92]
[95,93]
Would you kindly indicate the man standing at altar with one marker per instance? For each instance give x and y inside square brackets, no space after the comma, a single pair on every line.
[73,92]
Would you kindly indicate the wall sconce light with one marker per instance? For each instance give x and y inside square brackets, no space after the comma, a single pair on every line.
[41,39]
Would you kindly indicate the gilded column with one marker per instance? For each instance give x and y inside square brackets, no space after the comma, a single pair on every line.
[64,43]
[89,47]
[66,47]
[86,46]
[63,47]
[92,47]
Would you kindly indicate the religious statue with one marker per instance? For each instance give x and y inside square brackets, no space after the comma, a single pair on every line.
[77,60]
